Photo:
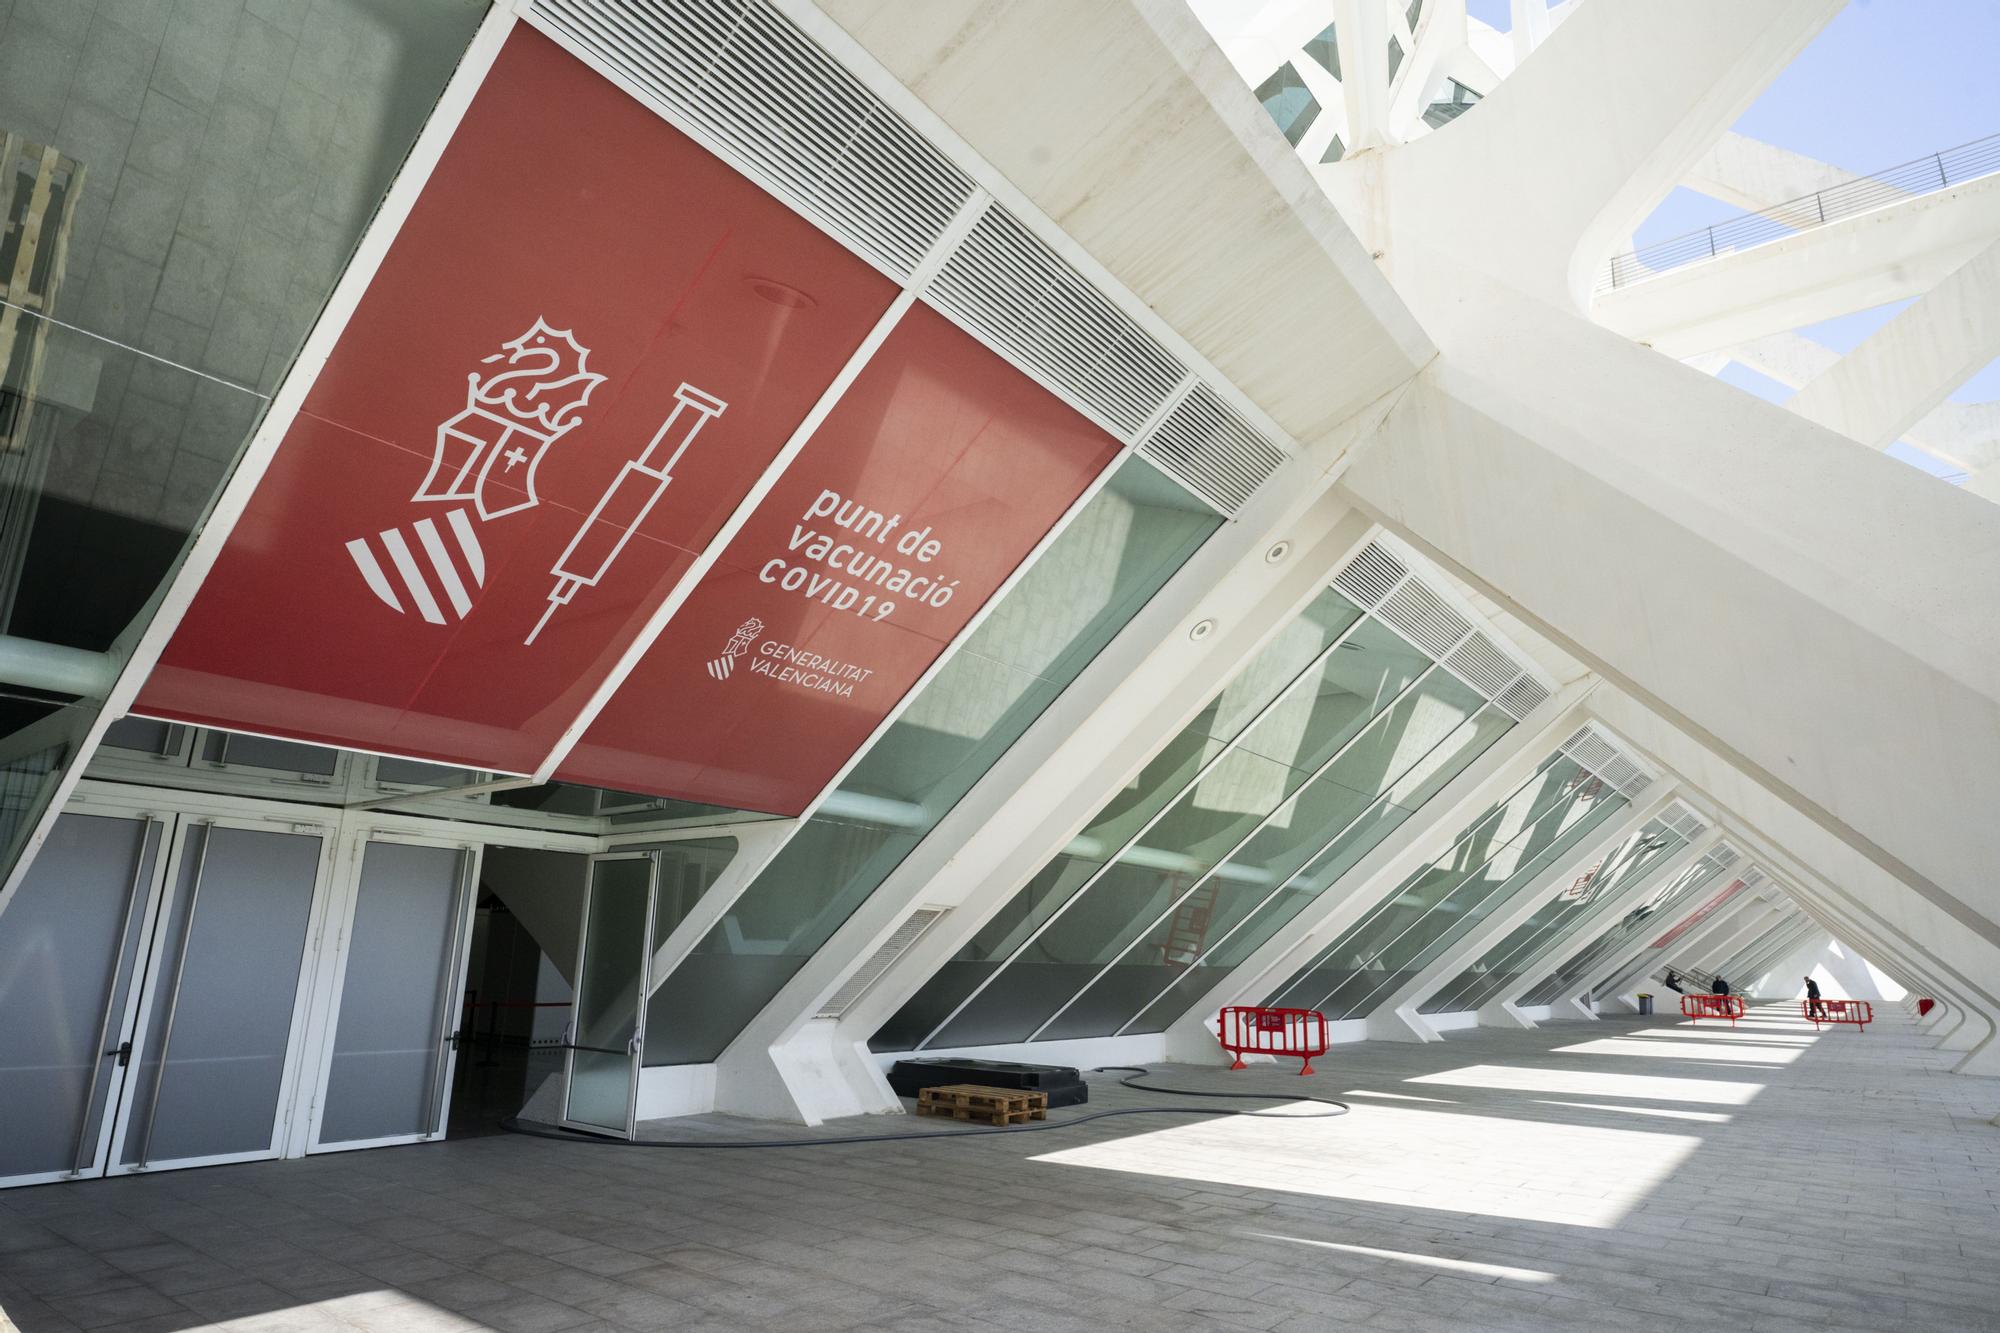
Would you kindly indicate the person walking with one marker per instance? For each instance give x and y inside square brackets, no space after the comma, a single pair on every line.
[1815,1008]
[1720,987]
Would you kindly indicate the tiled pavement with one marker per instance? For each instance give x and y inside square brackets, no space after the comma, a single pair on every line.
[1620,1175]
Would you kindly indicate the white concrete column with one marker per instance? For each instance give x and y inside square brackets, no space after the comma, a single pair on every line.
[1396,1017]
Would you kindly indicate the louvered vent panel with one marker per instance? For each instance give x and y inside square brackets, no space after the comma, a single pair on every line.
[1684,821]
[744,75]
[1590,749]
[1522,697]
[871,971]
[1723,857]
[1015,292]
[1419,613]
[1754,878]
[1483,666]
[1369,576]
[1206,446]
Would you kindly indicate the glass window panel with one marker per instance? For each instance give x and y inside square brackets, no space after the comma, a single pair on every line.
[1430,914]
[1325,50]
[1487,837]
[176,273]
[234,749]
[1425,771]
[1321,811]
[402,954]
[1676,895]
[1105,564]
[1315,700]
[1291,106]
[1556,920]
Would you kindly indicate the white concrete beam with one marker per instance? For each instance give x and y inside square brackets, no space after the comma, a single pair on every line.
[1903,371]
[1754,175]
[1889,254]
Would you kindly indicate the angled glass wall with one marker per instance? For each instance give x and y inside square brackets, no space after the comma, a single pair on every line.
[180,188]
[1326,741]
[1557,920]
[1674,897]
[1510,846]
[1111,559]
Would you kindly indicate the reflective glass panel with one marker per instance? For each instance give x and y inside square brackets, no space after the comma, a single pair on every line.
[1487,857]
[1106,564]
[180,188]
[1423,762]
[1245,810]
[1568,911]
[385,1079]
[1679,893]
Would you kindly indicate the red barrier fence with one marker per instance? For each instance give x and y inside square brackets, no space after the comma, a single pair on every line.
[1858,1012]
[1246,1029]
[1698,1007]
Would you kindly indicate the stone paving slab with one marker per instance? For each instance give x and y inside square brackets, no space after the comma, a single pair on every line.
[1621,1174]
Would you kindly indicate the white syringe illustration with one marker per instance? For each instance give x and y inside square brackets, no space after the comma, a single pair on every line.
[626,502]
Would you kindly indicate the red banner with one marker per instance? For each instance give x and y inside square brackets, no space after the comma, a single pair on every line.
[586,343]
[937,473]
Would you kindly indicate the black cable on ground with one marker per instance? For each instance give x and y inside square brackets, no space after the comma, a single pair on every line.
[536,1129]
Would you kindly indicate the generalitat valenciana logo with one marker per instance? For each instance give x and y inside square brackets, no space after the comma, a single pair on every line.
[739,643]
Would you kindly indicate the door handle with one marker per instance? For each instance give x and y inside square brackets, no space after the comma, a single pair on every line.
[123,1050]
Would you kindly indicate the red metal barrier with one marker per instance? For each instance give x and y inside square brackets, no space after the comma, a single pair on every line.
[1698,1007]
[1245,1029]
[1924,1006]
[1858,1012]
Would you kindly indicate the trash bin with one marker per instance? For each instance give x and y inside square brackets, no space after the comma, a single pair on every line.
[1645,1005]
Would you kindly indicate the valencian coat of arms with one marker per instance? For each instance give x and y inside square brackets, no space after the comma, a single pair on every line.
[484,464]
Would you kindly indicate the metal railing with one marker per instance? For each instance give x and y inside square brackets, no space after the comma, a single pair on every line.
[1926,175]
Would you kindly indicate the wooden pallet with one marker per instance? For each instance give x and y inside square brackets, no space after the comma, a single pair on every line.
[988,1106]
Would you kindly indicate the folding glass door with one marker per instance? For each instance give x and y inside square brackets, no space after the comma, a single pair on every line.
[153,1011]
[614,968]
[222,1004]
[71,942]
[406,927]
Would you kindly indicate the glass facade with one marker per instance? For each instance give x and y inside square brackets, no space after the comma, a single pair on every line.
[1328,739]
[1510,846]
[1291,105]
[1106,564]
[1652,915]
[181,188]
[1557,920]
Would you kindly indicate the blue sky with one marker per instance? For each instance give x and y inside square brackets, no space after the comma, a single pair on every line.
[1886,82]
